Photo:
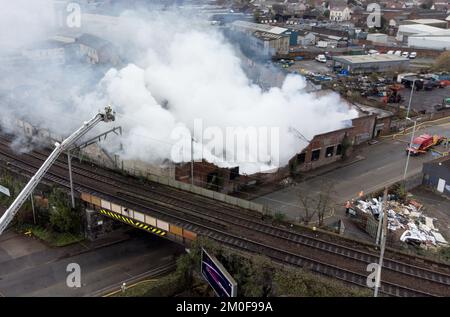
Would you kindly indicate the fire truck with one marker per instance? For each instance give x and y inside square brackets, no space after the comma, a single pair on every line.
[423,143]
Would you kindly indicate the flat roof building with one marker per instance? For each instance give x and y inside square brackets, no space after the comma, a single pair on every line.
[370,63]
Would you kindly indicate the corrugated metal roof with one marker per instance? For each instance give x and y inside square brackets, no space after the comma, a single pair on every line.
[259,27]
[360,59]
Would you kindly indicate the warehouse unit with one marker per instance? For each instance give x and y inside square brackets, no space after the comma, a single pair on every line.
[434,42]
[436,174]
[358,64]
[264,38]
[377,38]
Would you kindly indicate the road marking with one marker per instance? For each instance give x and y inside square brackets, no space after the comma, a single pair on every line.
[129,286]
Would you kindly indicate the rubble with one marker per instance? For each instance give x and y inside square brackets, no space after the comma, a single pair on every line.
[407,219]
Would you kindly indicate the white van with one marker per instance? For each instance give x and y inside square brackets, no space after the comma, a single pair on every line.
[321,58]
[413,55]
[405,54]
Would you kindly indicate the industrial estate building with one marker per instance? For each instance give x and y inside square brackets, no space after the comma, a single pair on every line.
[371,63]
[271,39]
[436,174]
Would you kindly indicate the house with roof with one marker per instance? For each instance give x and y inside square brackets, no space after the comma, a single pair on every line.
[340,13]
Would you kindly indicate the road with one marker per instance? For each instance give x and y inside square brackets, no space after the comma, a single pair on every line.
[384,164]
[29,268]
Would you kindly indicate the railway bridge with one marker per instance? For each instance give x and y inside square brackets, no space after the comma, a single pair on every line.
[182,213]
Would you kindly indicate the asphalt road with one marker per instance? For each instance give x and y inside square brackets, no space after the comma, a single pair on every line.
[29,268]
[383,164]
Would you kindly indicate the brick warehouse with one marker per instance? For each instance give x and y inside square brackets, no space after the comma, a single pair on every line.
[325,148]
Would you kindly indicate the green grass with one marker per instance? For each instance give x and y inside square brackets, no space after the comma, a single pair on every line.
[54,239]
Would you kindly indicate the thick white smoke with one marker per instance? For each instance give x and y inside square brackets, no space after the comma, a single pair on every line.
[181,70]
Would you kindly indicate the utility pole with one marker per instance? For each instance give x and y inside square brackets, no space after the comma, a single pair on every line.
[409,152]
[383,243]
[192,160]
[380,217]
[409,104]
[32,207]
[72,196]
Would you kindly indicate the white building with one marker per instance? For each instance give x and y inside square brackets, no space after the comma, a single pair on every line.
[405,31]
[435,42]
[424,36]
[377,38]
[340,13]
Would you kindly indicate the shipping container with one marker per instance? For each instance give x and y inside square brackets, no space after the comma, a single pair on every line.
[150,221]
[139,216]
[162,225]
[176,230]
[105,204]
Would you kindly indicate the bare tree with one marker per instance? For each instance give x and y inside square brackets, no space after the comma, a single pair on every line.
[319,205]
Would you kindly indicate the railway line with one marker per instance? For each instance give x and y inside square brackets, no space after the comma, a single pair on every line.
[242,229]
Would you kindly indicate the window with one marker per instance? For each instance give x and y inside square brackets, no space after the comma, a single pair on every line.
[339,149]
[301,158]
[315,155]
[330,151]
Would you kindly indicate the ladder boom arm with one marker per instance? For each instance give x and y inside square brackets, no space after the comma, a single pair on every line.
[60,148]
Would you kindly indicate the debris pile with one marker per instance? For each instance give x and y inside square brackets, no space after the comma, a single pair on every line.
[407,219]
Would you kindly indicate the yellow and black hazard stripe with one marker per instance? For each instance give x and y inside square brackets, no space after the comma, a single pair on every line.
[133,222]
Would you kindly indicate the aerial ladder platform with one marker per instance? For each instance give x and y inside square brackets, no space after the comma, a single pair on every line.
[106,116]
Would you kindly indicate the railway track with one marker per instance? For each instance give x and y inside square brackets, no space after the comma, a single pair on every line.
[245,220]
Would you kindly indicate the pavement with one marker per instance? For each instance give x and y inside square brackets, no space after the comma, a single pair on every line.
[30,268]
[383,165]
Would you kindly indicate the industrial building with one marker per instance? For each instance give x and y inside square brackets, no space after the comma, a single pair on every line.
[377,38]
[424,36]
[436,174]
[358,64]
[429,22]
[271,39]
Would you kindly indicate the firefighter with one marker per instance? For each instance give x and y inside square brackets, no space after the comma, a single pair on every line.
[347,207]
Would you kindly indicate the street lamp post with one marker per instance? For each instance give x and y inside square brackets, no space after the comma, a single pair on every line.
[410,99]
[409,152]
[382,242]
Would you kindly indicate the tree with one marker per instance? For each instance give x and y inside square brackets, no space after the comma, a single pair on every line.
[442,63]
[427,4]
[62,217]
[326,14]
[318,205]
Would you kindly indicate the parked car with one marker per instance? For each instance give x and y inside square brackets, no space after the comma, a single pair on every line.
[405,54]
[374,52]
[321,58]
[398,53]
[390,52]
[413,55]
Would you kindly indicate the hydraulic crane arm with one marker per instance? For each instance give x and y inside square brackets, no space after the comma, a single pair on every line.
[105,116]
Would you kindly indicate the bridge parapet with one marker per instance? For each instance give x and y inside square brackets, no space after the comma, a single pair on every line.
[140,220]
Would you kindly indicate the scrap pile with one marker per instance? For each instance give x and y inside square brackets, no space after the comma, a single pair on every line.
[408,220]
